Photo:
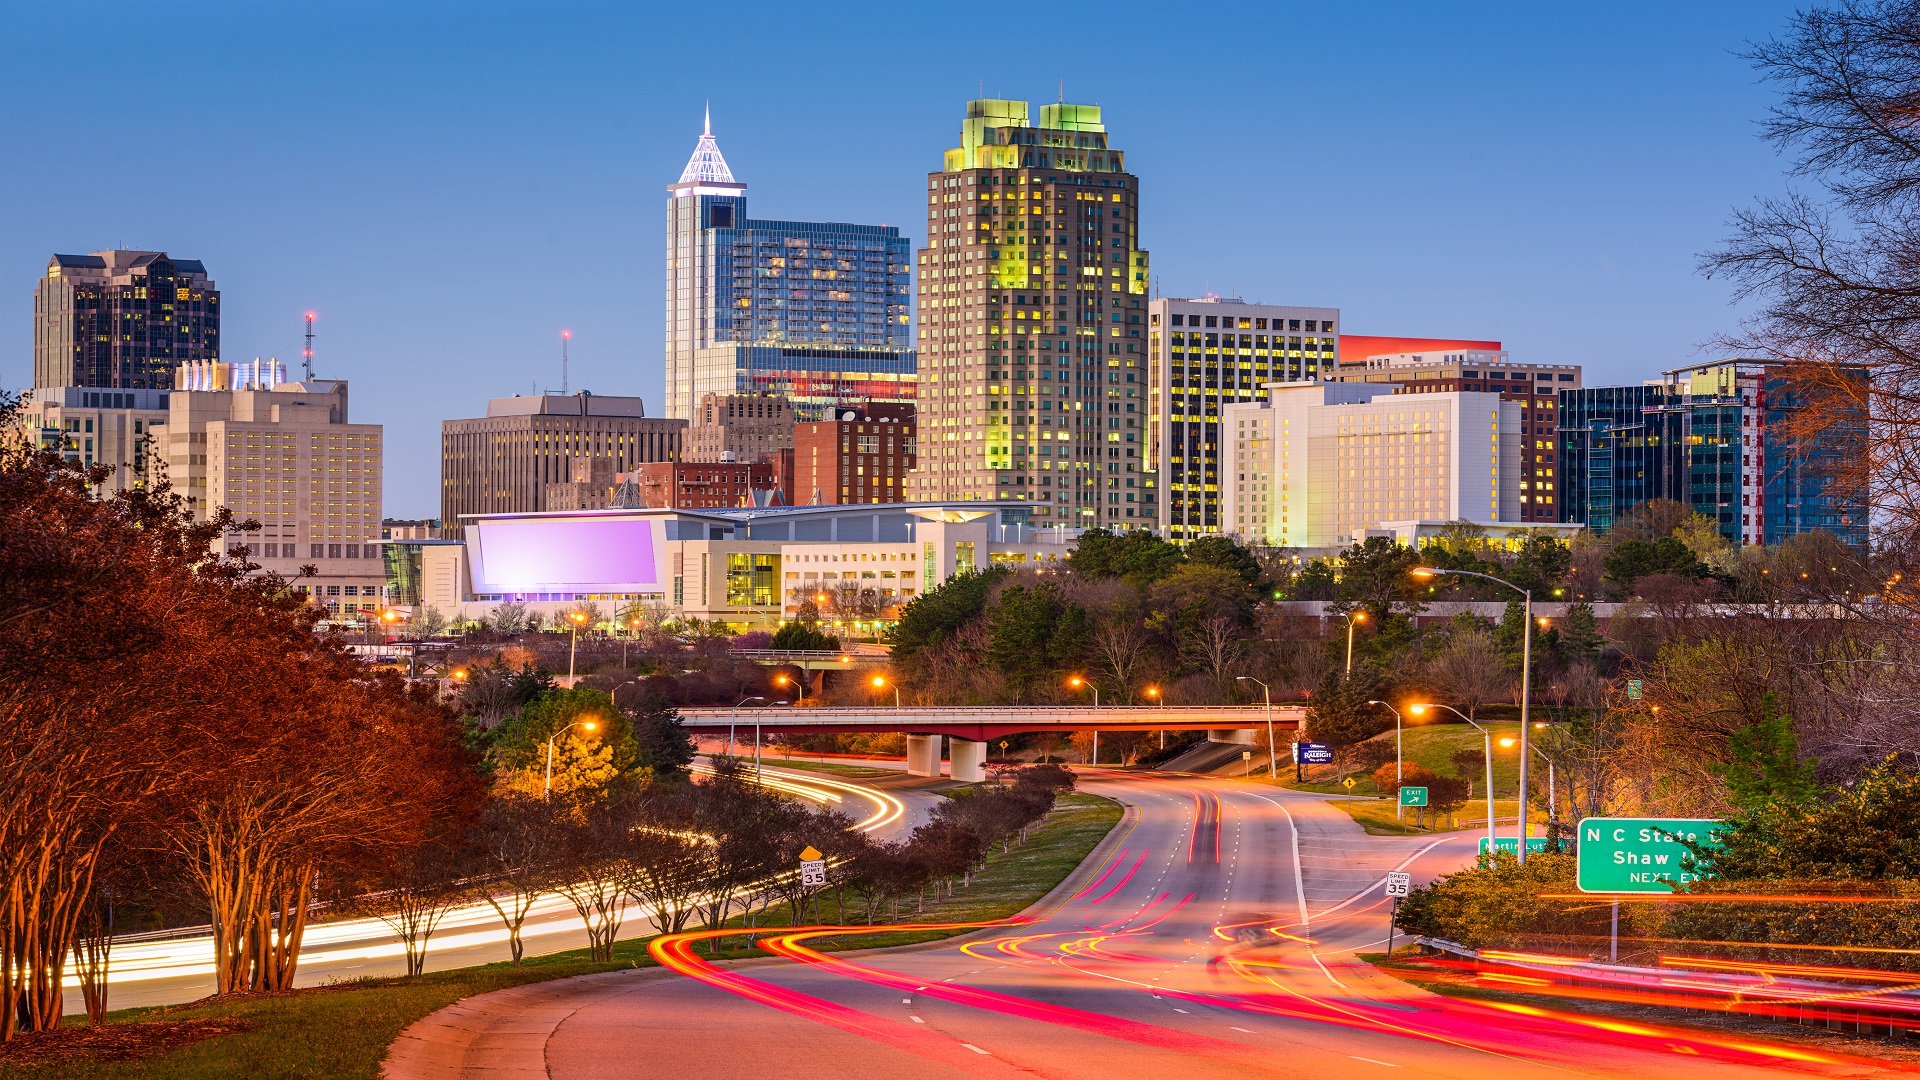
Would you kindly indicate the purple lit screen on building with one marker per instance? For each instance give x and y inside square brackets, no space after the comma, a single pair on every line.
[517,555]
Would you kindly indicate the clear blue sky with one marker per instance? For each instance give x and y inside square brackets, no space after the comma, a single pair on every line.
[449,185]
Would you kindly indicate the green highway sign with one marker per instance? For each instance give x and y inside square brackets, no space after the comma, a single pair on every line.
[1633,689]
[1413,796]
[1639,855]
[1512,844]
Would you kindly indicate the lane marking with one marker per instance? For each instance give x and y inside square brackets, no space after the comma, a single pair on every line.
[1247,1030]
[1373,1061]
[976,1049]
[915,1019]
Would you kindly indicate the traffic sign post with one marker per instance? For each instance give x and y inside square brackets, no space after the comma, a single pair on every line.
[1640,855]
[1511,844]
[1413,796]
[1399,883]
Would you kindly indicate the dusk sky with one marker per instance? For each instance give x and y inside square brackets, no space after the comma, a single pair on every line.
[449,186]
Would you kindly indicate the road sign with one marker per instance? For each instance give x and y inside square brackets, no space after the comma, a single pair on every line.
[1413,796]
[1633,689]
[1313,753]
[1640,855]
[1348,783]
[813,873]
[1399,882]
[1512,843]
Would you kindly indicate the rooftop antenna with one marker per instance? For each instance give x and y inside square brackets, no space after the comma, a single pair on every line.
[306,355]
[565,336]
[1063,91]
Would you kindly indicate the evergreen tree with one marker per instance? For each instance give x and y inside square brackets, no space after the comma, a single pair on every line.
[1766,766]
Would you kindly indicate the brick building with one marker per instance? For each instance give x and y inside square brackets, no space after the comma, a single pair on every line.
[861,456]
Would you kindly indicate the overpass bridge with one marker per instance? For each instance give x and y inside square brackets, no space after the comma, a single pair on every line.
[970,728]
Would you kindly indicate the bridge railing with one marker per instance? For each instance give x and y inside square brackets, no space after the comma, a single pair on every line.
[1227,715]
[799,656]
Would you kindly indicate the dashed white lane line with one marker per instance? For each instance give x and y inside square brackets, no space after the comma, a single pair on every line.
[1372,1061]
[1183,1012]
[906,1001]
[1249,1031]
[976,1049]
[915,1019]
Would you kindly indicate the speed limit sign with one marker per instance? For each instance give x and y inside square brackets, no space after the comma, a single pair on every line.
[1399,883]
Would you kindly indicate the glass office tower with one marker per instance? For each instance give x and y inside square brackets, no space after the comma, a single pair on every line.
[817,312]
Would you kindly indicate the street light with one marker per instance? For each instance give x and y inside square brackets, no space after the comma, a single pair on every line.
[1267,694]
[546,789]
[1526,682]
[880,683]
[1488,737]
[1353,618]
[632,625]
[1553,796]
[1154,693]
[1076,682]
[734,717]
[576,618]
[1399,770]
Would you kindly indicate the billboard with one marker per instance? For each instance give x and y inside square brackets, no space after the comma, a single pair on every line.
[574,554]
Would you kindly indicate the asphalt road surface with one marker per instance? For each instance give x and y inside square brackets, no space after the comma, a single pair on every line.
[172,970]
[1216,940]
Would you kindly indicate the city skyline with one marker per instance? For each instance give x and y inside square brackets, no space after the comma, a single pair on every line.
[1553,199]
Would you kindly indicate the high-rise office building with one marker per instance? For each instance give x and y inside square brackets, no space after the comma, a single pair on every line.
[1033,293]
[1319,465]
[863,455]
[288,456]
[1535,387]
[739,427]
[1711,436]
[95,427]
[1209,353]
[504,462]
[122,320]
[816,312]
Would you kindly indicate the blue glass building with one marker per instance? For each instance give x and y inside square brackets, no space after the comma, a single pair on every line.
[817,311]
[1712,436]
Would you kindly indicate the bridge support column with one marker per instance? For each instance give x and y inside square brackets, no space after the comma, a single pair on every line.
[1243,736]
[923,755]
[967,759]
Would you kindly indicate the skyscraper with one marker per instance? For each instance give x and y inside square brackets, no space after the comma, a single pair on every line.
[816,312]
[1033,291]
[1207,353]
[122,320]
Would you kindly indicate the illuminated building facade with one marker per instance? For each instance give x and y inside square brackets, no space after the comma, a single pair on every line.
[1032,296]
[863,455]
[1534,387]
[122,320]
[815,312]
[1209,353]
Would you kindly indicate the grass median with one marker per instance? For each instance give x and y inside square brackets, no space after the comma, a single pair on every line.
[344,1030]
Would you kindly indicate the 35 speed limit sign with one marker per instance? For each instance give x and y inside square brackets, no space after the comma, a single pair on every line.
[1399,883]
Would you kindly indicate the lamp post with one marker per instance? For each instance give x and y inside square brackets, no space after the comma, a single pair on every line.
[1076,682]
[1354,618]
[733,717]
[1399,770]
[1526,683]
[632,625]
[546,789]
[1267,694]
[576,618]
[1154,693]
[1553,796]
[880,683]
[1487,736]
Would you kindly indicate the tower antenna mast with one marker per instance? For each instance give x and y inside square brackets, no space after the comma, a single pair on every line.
[565,337]
[306,356]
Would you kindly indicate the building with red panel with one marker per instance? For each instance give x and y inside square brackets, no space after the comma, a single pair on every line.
[863,455]
[1355,348]
[693,485]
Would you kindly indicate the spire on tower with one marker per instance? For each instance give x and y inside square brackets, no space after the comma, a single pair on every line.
[706,166]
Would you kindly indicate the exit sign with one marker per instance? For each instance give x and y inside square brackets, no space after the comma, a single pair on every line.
[1640,855]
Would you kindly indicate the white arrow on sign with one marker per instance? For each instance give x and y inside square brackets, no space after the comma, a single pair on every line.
[1399,883]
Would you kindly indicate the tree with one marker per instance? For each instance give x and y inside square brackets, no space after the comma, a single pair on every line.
[1632,560]
[1035,634]
[586,760]
[935,616]
[513,846]
[659,735]
[1317,581]
[1580,637]
[1467,672]
[1222,552]
[1135,554]
[418,891]
[1376,575]
[802,636]
[1121,644]
[1338,713]
[1766,766]
[512,617]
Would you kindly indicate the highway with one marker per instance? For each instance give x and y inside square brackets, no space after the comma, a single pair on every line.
[1215,937]
[166,971]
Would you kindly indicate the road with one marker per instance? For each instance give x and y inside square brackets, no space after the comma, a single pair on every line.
[168,971]
[1216,938]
